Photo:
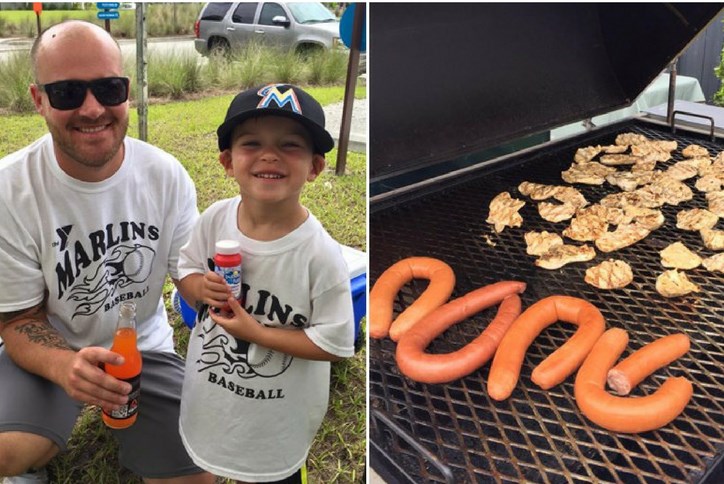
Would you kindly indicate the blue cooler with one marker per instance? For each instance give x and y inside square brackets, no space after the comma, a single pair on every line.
[357,266]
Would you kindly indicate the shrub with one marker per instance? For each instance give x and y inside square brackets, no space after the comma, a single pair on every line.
[15,77]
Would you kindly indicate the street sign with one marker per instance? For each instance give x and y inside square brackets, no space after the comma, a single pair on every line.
[109,15]
[107,5]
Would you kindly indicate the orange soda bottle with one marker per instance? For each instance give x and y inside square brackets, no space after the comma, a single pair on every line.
[124,343]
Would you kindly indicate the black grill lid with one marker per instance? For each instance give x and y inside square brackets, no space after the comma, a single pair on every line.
[448,80]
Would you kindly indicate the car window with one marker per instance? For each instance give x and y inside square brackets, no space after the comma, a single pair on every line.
[269,11]
[311,12]
[215,11]
[244,13]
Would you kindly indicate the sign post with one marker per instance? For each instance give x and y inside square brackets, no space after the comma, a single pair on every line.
[38,9]
[109,12]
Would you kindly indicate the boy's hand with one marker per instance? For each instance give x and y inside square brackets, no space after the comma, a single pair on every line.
[240,324]
[214,290]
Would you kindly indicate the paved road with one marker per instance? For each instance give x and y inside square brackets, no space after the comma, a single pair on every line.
[163,46]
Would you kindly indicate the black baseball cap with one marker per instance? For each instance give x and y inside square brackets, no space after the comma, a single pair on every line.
[278,100]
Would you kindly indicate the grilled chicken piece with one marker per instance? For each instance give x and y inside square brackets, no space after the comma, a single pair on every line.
[683,170]
[692,151]
[612,215]
[674,283]
[539,191]
[619,159]
[644,164]
[647,218]
[678,256]
[586,227]
[709,183]
[591,173]
[610,274]
[560,255]
[615,148]
[538,243]
[584,155]
[631,139]
[629,181]
[655,150]
[664,189]
[714,263]
[696,219]
[556,212]
[504,212]
[713,239]
[623,236]
[716,202]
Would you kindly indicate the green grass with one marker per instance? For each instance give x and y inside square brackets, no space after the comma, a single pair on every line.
[338,453]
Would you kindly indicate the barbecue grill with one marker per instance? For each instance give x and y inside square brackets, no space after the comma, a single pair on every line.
[461,98]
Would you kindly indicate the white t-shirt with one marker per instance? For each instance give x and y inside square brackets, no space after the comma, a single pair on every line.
[93,245]
[247,412]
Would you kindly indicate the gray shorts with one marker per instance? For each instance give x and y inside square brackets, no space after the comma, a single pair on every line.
[32,404]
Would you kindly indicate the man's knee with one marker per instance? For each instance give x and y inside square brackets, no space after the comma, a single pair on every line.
[20,451]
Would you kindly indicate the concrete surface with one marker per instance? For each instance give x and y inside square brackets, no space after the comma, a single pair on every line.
[358,128]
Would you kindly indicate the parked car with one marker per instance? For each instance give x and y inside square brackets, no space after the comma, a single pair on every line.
[302,26]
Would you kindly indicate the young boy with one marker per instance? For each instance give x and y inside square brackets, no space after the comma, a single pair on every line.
[257,380]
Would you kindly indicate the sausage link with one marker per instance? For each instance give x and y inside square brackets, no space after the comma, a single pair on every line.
[382,295]
[625,414]
[646,360]
[508,359]
[441,368]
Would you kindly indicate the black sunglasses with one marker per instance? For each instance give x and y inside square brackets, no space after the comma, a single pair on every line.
[66,95]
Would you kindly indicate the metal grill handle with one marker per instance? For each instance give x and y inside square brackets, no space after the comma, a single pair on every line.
[709,118]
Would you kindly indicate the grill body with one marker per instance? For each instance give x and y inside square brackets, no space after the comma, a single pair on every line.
[455,432]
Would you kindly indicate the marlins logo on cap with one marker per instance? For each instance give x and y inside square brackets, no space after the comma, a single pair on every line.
[271,94]
[276,100]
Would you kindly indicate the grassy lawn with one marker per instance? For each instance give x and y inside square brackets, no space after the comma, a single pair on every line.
[187,130]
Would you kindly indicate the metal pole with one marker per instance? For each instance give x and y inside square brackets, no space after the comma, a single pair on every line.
[351,84]
[141,71]
[672,91]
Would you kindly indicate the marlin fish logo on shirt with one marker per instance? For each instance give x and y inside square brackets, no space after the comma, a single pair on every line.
[92,271]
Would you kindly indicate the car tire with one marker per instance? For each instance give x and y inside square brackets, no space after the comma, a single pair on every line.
[219,47]
[308,50]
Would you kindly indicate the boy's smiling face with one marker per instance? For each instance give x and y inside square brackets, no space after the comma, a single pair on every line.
[271,158]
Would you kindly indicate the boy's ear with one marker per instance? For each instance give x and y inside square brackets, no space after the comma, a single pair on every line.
[225,160]
[318,163]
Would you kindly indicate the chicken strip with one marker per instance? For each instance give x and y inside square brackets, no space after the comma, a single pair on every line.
[696,219]
[623,236]
[538,243]
[709,183]
[560,255]
[716,202]
[591,173]
[631,139]
[586,227]
[610,274]
[678,256]
[714,263]
[713,239]
[504,212]
[584,155]
[556,212]
[673,283]
[692,151]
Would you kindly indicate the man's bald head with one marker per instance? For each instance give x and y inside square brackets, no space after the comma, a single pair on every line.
[61,35]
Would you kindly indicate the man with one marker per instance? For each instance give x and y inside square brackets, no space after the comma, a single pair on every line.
[89,218]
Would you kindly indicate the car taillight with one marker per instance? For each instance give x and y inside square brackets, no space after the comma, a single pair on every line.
[196,29]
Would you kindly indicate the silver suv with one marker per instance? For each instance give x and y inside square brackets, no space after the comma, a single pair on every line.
[302,26]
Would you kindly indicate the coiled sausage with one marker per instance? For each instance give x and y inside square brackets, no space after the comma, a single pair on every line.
[646,360]
[508,360]
[441,368]
[382,295]
[625,414]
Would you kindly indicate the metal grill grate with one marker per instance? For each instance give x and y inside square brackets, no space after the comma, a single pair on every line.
[537,435]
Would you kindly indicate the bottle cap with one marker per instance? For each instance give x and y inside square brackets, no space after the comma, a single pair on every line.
[127,309]
[228,247]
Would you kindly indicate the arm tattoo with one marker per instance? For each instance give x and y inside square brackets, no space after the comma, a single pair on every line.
[35,326]
[42,333]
